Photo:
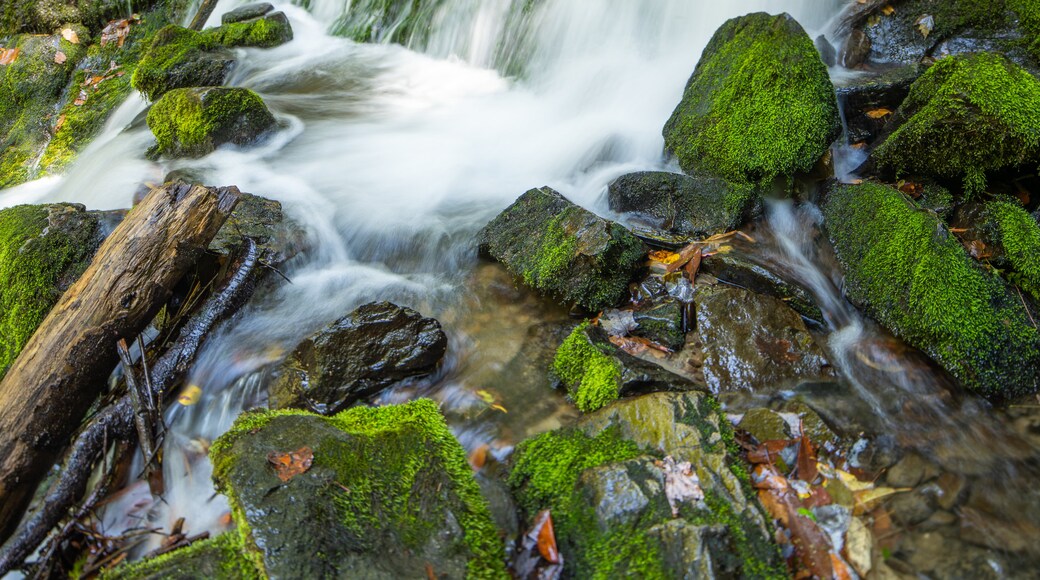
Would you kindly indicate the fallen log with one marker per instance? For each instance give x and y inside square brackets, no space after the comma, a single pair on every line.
[202,15]
[64,366]
[117,422]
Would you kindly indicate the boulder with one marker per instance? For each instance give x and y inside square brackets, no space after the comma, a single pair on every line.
[760,103]
[906,270]
[220,558]
[358,356]
[596,373]
[966,116]
[754,342]
[737,270]
[1005,235]
[247,12]
[261,220]
[680,204]
[178,58]
[371,492]
[194,122]
[43,250]
[264,32]
[606,482]
[865,97]
[563,250]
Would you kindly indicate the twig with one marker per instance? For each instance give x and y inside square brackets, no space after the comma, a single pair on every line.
[205,9]
[1025,306]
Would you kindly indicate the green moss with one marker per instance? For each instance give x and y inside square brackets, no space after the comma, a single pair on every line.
[966,116]
[592,378]
[1028,13]
[759,105]
[176,59]
[1020,236]
[192,122]
[220,558]
[908,272]
[553,257]
[384,479]
[265,32]
[33,268]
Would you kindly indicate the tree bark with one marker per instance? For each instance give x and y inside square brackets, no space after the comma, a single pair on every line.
[205,9]
[64,367]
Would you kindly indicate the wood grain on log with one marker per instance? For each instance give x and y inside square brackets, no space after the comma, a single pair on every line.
[63,368]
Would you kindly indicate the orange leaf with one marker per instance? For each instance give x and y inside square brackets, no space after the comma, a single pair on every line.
[547,538]
[693,266]
[878,113]
[59,123]
[81,99]
[60,58]
[807,471]
[70,35]
[478,457]
[9,55]
[291,464]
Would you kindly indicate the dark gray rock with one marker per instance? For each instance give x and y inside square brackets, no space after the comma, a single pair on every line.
[261,220]
[737,270]
[870,92]
[828,54]
[679,204]
[855,50]
[562,250]
[358,356]
[247,12]
[661,321]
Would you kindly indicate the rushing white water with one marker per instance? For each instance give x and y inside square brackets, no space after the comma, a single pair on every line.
[392,158]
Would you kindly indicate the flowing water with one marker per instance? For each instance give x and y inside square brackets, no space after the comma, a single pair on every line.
[393,157]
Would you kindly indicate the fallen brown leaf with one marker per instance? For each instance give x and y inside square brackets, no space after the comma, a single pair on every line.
[60,58]
[8,55]
[291,464]
[70,35]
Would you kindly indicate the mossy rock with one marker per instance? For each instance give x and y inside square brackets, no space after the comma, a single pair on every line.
[220,558]
[389,493]
[357,356]
[965,117]
[605,490]
[596,373]
[194,122]
[760,103]
[43,250]
[906,270]
[267,31]
[262,220]
[44,16]
[563,250]
[180,58]
[247,12]
[1015,236]
[683,205]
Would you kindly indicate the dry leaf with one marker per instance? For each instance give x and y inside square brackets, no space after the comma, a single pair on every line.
[60,58]
[59,123]
[478,457]
[81,99]
[858,546]
[70,35]
[544,536]
[8,55]
[925,24]
[190,395]
[680,483]
[807,471]
[663,256]
[115,31]
[868,498]
[878,113]
[888,10]
[289,465]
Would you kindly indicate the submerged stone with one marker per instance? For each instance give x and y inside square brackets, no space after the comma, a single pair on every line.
[43,250]
[862,96]
[388,494]
[358,356]
[220,558]
[754,342]
[680,204]
[194,122]
[606,485]
[596,373]
[760,103]
[564,250]
[965,117]
[906,270]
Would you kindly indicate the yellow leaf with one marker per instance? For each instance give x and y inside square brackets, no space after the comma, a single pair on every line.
[888,10]
[852,483]
[485,396]
[664,257]
[190,395]
[70,35]
[879,113]
[498,407]
[868,498]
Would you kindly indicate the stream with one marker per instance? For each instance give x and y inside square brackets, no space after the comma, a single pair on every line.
[392,158]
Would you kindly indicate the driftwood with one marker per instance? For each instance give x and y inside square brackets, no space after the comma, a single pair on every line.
[64,366]
[205,9]
[117,422]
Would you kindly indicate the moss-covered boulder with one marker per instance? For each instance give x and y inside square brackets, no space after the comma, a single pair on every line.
[179,58]
[564,250]
[680,204]
[1011,239]
[358,356]
[760,103]
[194,122]
[754,342]
[31,87]
[596,373]
[266,31]
[43,249]
[606,486]
[246,12]
[906,270]
[966,116]
[388,494]
[220,558]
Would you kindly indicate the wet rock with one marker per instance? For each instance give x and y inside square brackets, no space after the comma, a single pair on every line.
[995,130]
[819,432]
[951,489]
[388,494]
[595,372]
[358,356]
[661,322]
[764,425]
[828,55]
[247,12]
[264,32]
[863,96]
[737,270]
[855,50]
[906,270]
[563,250]
[912,507]
[608,493]
[220,558]
[261,220]
[194,122]
[911,470]
[760,103]
[1006,236]
[43,250]
[754,342]
[680,204]
[178,58]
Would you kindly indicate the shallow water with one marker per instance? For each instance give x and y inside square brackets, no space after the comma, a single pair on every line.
[393,157]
